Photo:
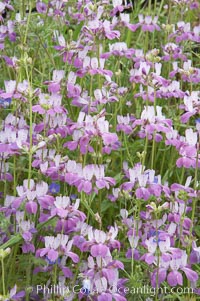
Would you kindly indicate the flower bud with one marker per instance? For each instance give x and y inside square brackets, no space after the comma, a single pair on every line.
[4,253]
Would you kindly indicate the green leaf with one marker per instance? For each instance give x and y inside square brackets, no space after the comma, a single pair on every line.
[18,238]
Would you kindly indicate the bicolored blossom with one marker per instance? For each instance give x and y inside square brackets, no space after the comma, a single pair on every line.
[93,66]
[49,104]
[191,105]
[99,243]
[56,246]
[89,128]
[70,116]
[147,23]
[54,86]
[85,177]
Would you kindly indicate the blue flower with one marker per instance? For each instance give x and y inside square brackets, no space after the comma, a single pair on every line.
[5,102]
[157,240]
[54,188]
[86,287]
[155,181]
[73,197]
[53,262]
[197,120]
[153,232]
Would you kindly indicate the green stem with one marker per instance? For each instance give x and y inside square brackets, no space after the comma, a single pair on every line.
[162,164]
[149,8]
[98,57]
[3,277]
[127,150]
[28,22]
[196,167]
[153,151]
[169,12]
[145,152]
[11,264]
[160,9]
[28,278]
[5,182]
[155,6]
[181,224]
[55,280]
[14,176]
[182,175]
[158,261]
[154,134]
[30,129]
[29,168]
[146,42]
[194,202]
[91,93]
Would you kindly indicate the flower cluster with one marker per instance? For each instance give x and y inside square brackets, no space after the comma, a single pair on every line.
[99,148]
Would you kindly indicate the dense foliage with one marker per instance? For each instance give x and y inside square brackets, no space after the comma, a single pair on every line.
[99,150]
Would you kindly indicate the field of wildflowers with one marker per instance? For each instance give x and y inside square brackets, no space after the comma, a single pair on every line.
[99,150]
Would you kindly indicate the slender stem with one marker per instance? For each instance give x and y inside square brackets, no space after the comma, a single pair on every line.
[160,9]
[182,174]
[132,255]
[28,22]
[11,263]
[196,167]
[14,176]
[55,280]
[154,134]
[3,277]
[153,151]
[29,166]
[158,261]
[29,78]
[169,12]
[162,164]
[155,6]
[145,151]
[91,93]
[98,57]
[127,150]
[146,42]
[181,224]
[194,202]
[22,9]
[30,130]
[149,8]
[5,182]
